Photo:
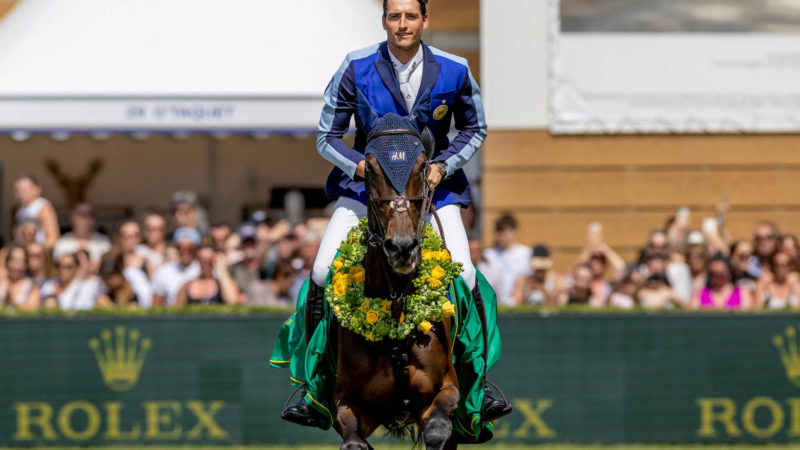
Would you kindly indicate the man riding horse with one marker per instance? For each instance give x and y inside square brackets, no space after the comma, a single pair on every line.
[392,77]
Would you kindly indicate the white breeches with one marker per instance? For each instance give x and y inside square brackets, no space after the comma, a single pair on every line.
[348,212]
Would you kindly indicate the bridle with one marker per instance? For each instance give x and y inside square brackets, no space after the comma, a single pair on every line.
[400,203]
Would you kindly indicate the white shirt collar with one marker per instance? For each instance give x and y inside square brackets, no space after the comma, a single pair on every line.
[413,62]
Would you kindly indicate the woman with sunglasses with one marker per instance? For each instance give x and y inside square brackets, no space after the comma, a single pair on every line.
[719,291]
[17,289]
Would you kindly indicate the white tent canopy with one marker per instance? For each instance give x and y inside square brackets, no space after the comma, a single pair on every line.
[175,65]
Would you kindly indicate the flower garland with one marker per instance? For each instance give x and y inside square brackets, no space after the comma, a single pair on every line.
[372,317]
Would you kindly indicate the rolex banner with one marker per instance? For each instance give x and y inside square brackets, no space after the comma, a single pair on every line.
[608,378]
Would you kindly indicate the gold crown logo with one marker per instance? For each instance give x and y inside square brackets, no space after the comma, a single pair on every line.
[787,348]
[120,362]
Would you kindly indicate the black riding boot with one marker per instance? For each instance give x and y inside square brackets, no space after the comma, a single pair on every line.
[491,408]
[301,413]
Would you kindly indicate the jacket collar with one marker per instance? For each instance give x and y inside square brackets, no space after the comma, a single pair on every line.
[430,73]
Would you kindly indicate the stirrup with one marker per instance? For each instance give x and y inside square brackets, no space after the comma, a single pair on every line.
[301,413]
[496,408]
[294,392]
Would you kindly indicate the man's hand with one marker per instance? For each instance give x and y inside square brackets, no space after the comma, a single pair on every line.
[361,169]
[434,175]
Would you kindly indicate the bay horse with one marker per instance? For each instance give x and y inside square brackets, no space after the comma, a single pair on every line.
[394,383]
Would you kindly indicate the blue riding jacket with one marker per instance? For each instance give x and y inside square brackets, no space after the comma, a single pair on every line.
[454,95]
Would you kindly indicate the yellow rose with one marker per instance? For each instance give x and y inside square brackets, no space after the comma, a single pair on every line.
[339,288]
[373,317]
[385,305]
[438,273]
[338,263]
[357,274]
[364,306]
[444,255]
[434,283]
[341,277]
[425,326]
[448,309]
[428,254]
[370,336]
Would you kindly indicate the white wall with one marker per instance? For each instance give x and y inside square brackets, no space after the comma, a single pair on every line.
[514,63]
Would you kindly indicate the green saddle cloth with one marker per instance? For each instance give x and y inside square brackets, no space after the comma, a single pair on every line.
[315,365]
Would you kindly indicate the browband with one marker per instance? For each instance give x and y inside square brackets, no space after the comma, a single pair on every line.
[391,132]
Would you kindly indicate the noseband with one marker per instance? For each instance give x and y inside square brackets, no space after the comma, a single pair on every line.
[400,203]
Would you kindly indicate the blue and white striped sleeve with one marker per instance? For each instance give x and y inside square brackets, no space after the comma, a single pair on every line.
[470,123]
[340,102]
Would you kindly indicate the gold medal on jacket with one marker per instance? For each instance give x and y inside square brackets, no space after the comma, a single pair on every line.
[441,111]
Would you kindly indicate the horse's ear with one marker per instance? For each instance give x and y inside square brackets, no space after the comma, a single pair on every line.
[428,142]
[366,115]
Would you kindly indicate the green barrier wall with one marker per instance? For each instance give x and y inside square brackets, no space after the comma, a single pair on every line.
[572,378]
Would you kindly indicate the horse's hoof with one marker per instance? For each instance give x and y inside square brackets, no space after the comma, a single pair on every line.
[437,432]
[354,445]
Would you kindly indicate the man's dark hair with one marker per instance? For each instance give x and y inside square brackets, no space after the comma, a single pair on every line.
[423,6]
[505,222]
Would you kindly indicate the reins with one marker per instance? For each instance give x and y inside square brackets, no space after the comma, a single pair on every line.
[401,203]
[399,351]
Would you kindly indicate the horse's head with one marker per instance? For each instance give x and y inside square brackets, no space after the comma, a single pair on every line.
[397,156]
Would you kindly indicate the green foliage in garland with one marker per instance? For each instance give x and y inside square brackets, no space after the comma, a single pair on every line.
[372,317]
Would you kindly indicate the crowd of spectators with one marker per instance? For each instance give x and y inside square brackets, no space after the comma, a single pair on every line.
[180,259]
[677,267]
[162,260]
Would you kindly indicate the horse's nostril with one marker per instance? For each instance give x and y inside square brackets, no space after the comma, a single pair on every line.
[390,247]
[400,247]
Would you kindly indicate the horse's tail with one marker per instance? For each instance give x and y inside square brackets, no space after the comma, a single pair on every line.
[409,431]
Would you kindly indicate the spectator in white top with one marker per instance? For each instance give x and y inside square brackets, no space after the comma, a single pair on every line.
[83,237]
[507,260]
[33,206]
[154,248]
[131,254]
[169,278]
[72,289]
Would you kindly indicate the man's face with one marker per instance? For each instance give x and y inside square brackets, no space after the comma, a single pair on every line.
[404,24]
[765,240]
[82,219]
[505,238]
[155,228]
[187,251]
[185,215]
[129,236]
[220,235]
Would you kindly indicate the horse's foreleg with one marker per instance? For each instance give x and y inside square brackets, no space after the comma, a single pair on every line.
[354,427]
[436,419]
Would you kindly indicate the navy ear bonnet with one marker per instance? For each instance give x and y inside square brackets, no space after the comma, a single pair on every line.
[396,153]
